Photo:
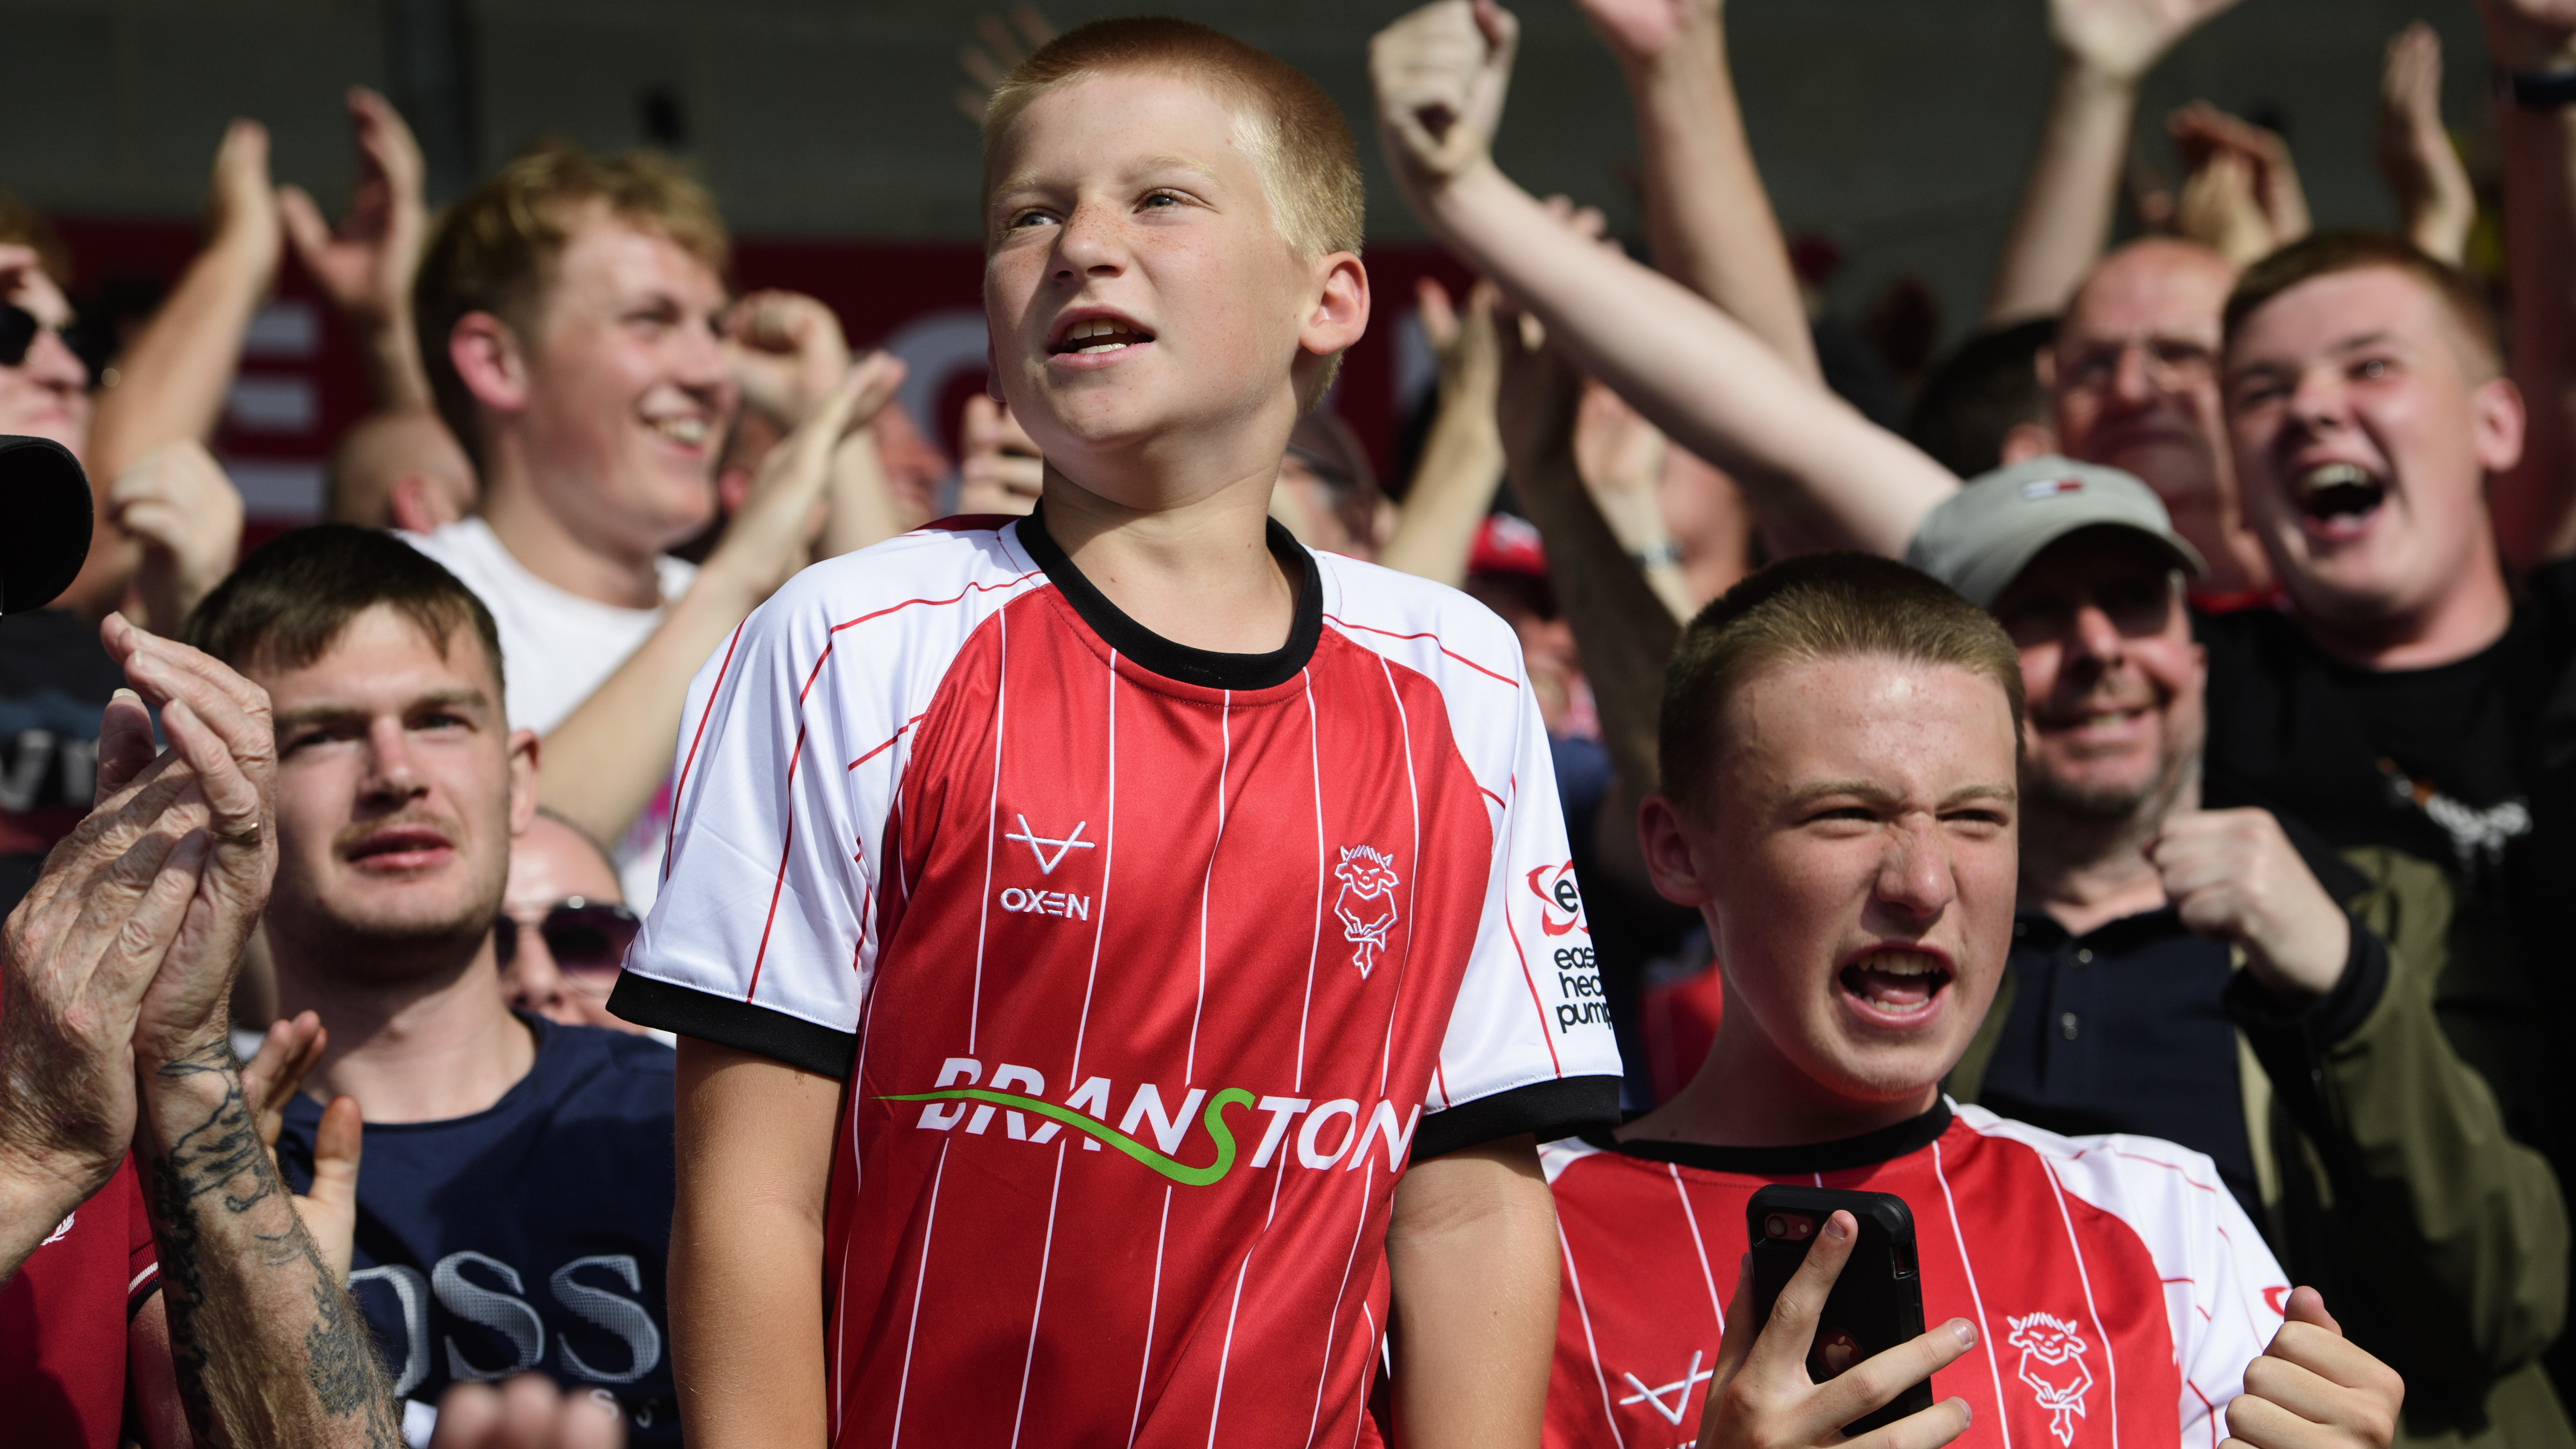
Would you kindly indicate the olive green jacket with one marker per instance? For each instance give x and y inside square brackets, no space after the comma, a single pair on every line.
[2388,1182]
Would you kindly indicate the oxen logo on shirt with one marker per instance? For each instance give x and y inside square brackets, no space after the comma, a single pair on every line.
[1367,902]
[2052,1363]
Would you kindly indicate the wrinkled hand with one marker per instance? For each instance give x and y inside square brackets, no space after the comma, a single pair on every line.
[2123,39]
[787,352]
[270,1080]
[1008,40]
[2415,154]
[219,728]
[772,535]
[2243,197]
[2531,34]
[367,262]
[1762,1398]
[2235,877]
[241,206]
[81,950]
[2313,1389]
[525,1412]
[1643,31]
[1001,470]
[178,503]
[1441,74]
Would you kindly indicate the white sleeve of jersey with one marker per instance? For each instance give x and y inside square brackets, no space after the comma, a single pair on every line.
[2223,1288]
[762,900]
[1530,1010]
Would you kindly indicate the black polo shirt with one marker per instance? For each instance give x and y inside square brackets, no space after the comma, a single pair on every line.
[2122,1030]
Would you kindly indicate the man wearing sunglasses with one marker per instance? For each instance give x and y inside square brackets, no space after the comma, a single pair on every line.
[564,926]
[514,1212]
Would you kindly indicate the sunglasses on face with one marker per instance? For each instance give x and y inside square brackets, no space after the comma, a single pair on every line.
[18,332]
[587,939]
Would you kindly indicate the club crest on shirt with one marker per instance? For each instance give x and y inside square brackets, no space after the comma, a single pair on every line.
[2052,1364]
[1366,905]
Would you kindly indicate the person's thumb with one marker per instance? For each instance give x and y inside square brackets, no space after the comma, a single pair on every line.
[333,1218]
[304,224]
[2307,1305]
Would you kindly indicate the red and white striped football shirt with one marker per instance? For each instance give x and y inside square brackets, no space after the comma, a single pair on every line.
[1148,969]
[2118,1289]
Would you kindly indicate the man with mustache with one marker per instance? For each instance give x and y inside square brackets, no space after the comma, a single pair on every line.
[515,1207]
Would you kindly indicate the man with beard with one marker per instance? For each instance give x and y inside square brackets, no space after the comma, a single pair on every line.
[514,1212]
[2316,1076]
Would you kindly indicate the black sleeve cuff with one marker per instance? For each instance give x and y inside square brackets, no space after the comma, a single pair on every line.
[1547,1110]
[738,1024]
[2328,1019]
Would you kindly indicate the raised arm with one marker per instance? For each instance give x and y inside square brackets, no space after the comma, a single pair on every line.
[172,379]
[2436,206]
[1813,465]
[366,264]
[2535,503]
[754,1152]
[1462,460]
[1706,212]
[2104,48]
[605,760]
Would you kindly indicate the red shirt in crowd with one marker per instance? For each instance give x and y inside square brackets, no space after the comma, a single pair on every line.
[1148,969]
[2118,1290]
[63,1321]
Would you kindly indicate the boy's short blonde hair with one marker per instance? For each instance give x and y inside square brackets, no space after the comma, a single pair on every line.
[1814,607]
[1310,173]
[495,250]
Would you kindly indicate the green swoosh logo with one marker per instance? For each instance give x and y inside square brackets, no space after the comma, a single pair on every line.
[1172,1168]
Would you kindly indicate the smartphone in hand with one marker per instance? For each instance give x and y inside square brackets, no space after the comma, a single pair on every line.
[1875,1305]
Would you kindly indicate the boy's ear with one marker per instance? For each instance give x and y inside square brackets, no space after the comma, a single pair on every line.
[1664,839]
[1341,311]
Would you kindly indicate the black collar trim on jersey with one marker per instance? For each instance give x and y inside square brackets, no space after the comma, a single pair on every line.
[1205,668]
[1867,1150]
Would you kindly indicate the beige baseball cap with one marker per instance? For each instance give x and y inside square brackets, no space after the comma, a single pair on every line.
[1980,538]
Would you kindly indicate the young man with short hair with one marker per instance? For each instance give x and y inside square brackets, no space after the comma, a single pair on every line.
[582,346]
[1186,913]
[514,1209]
[1840,742]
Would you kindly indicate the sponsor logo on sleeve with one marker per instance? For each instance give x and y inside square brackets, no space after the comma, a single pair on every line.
[1366,905]
[2052,1365]
[1560,902]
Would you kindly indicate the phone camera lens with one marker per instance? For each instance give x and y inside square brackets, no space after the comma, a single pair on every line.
[1775,1226]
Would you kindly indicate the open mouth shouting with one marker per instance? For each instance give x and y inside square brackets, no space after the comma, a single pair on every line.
[2337,500]
[1895,985]
[1100,336]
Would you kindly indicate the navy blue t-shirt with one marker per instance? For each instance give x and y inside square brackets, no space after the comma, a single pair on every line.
[531,1235]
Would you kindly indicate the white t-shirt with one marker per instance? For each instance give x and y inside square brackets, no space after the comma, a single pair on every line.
[556,648]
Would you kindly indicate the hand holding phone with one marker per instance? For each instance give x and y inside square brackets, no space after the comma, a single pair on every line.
[1763,1395]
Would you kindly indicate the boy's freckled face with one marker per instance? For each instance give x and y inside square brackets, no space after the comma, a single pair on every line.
[1137,286]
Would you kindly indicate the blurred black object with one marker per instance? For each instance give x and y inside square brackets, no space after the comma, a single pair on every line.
[44,532]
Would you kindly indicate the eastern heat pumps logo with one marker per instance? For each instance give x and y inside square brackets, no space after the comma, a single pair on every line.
[1367,902]
[2052,1364]
[1335,1133]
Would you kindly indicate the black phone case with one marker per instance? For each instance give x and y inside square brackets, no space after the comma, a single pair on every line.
[1875,1305]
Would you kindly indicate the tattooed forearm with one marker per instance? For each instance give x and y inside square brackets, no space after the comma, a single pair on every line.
[266,1346]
